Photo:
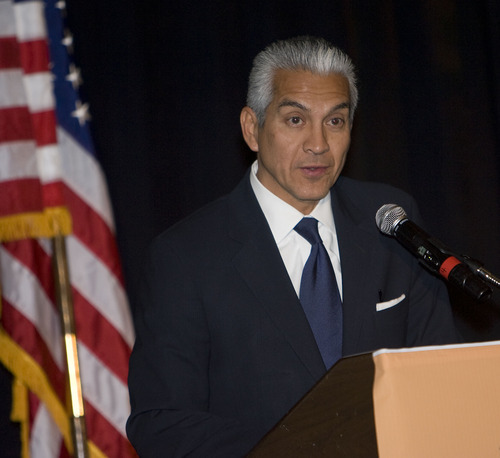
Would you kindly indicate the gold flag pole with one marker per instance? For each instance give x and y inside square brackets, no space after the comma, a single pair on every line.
[65,303]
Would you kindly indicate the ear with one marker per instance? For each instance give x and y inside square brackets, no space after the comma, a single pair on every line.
[250,128]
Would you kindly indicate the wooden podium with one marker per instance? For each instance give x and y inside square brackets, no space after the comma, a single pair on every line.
[335,418]
[441,401]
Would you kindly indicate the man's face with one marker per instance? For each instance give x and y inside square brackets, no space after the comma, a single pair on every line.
[302,146]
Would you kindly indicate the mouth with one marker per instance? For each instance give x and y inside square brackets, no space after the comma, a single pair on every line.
[314,171]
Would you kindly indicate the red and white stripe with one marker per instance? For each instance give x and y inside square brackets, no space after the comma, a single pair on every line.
[41,165]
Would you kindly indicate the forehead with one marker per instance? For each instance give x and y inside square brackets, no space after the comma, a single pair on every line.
[291,84]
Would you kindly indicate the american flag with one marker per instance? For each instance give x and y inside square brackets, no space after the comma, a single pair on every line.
[50,177]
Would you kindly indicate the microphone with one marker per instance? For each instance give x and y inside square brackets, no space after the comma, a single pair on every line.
[392,220]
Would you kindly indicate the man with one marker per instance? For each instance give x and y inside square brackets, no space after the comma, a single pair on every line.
[225,347]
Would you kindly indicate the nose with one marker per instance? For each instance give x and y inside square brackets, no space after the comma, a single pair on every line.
[316,142]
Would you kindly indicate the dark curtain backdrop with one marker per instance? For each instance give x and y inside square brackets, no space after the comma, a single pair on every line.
[166,82]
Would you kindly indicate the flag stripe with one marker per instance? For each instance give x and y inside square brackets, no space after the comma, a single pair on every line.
[44,127]
[107,392]
[91,325]
[96,236]
[11,88]
[20,196]
[34,56]
[38,87]
[42,427]
[7,23]
[37,259]
[100,429]
[15,124]
[17,161]
[90,186]
[27,15]
[95,282]
[9,53]
[48,159]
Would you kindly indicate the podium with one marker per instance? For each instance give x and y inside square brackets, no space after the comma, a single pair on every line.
[429,401]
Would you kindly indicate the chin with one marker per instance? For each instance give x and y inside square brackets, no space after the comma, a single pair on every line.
[316,195]
[311,198]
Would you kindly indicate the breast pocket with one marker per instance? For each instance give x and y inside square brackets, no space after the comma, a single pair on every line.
[391,318]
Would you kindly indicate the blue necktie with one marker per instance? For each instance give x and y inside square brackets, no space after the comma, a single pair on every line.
[319,295]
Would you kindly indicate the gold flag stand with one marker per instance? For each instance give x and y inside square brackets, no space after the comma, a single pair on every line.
[65,304]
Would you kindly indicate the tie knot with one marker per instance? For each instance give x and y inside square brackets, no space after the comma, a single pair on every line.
[308,228]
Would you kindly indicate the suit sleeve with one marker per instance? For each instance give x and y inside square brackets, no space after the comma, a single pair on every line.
[168,374]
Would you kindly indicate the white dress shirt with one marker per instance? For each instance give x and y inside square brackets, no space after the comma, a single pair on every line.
[294,249]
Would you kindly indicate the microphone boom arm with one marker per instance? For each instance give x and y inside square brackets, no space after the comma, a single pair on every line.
[478,269]
[476,266]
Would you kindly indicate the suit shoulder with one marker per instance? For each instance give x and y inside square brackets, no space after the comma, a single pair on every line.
[208,219]
[373,194]
[211,222]
[371,188]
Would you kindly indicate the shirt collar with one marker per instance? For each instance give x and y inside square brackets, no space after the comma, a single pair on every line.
[282,217]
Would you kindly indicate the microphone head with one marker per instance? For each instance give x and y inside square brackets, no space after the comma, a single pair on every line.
[388,217]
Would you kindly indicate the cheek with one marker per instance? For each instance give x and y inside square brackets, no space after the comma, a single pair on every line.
[341,145]
[278,148]
[348,142]
[266,144]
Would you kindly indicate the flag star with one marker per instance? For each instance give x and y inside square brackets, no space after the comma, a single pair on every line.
[74,76]
[68,40]
[81,112]
[61,4]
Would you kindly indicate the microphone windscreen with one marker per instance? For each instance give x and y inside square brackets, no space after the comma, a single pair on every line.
[388,217]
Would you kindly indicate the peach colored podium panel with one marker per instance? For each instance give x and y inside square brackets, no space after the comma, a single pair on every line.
[438,401]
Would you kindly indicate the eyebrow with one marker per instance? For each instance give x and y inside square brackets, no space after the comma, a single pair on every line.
[292,103]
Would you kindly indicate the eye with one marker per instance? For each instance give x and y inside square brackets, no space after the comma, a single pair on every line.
[295,120]
[337,122]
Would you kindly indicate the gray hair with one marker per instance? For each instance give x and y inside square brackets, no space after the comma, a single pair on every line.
[315,55]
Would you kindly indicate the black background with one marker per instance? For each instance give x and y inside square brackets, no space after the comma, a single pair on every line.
[166,82]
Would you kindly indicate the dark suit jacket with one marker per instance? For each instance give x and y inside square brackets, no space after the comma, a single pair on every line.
[223,347]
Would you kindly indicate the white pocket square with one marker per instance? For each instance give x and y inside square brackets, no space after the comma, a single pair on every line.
[385,305]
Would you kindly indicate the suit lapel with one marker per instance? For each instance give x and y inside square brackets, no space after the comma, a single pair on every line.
[356,252]
[260,265]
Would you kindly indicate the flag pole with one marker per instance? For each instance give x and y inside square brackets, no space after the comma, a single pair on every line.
[65,303]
